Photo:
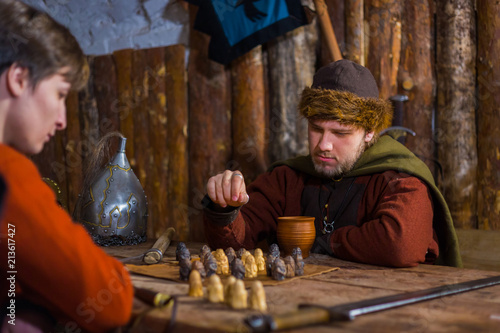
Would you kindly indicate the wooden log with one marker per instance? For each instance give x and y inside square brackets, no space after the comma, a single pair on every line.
[248,116]
[177,174]
[331,44]
[291,66]
[209,123]
[141,143]
[456,130]
[74,158]
[354,31]
[488,98]
[89,116]
[106,95]
[416,68]
[125,103]
[384,19]
[156,181]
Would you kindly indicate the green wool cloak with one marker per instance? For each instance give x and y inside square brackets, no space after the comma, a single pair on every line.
[388,154]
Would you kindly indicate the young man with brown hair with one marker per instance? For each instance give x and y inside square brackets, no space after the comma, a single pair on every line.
[372,199]
[50,269]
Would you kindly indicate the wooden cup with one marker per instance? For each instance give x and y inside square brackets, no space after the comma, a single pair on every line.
[296,231]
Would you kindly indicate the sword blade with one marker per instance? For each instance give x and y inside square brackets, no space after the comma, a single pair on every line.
[315,314]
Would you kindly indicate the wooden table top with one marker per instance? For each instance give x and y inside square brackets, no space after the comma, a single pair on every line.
[473,311]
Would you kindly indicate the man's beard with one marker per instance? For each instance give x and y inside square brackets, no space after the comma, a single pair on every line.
[342,167]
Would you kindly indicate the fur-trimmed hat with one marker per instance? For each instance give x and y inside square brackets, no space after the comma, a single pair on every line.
[346,92]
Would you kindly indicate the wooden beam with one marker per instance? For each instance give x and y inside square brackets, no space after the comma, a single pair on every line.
[456,122]
[488,119]
[209,124]
[416,67]
[384,20]
[248,117]
[177,142]
[292,62]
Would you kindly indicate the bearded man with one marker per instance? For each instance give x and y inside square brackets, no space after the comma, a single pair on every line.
[373,200]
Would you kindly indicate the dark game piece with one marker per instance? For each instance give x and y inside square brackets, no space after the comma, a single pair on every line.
[231,255]
[238,269]
[279,270]
[274,250]
[210,265]
[269,264]
[198,265]
[297,253]
[180,247]
[240,252]
[204,249]
[184,268]
[184,254]
[299,268]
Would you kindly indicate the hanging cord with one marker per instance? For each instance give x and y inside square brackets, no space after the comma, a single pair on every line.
[329,227]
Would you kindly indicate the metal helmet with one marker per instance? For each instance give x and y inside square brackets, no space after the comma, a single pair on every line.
[114,208]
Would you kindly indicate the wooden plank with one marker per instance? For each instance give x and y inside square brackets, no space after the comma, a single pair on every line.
[158,205]
[89,115]
[105,91]
[177,129]
[417,67]
[125,103]
[480,248]
[488,99]
[209,124]
[456,123]
[141,143]
[73,150]
[355,31]
[248,116]
[384,19]
[291,67]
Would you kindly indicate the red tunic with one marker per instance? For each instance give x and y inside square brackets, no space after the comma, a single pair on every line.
[386,218]
[57,265]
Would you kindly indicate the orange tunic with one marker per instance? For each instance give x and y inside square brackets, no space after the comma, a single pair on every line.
[56,264]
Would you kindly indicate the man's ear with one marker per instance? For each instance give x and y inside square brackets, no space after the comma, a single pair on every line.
[17,79]
[369,136]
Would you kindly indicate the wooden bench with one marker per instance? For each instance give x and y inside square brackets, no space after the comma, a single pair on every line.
[480,249]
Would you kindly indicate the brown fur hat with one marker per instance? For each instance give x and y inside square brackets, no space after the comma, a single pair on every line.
[346,92]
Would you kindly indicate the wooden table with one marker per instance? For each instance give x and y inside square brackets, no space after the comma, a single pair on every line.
[474,311]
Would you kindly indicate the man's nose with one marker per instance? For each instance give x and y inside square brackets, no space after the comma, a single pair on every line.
[325,142]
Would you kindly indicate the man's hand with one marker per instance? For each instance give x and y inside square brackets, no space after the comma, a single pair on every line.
[228,189]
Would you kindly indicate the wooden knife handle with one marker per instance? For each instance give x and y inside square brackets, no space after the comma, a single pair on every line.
[161,244]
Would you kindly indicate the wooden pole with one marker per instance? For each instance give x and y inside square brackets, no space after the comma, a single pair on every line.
[416,67]
[456,123]
[177,129]
[74,158]
[124,104]
[291,66]
[158,137]
[248,116]
[384,19]
[209,123]
[488,98]
[141,143]
[355,32]
[327,29]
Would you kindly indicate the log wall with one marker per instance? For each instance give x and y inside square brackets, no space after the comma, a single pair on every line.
[188,120]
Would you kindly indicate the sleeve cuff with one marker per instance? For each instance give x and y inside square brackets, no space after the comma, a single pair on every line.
[218,215]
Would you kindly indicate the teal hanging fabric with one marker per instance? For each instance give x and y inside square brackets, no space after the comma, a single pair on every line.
[237,26]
